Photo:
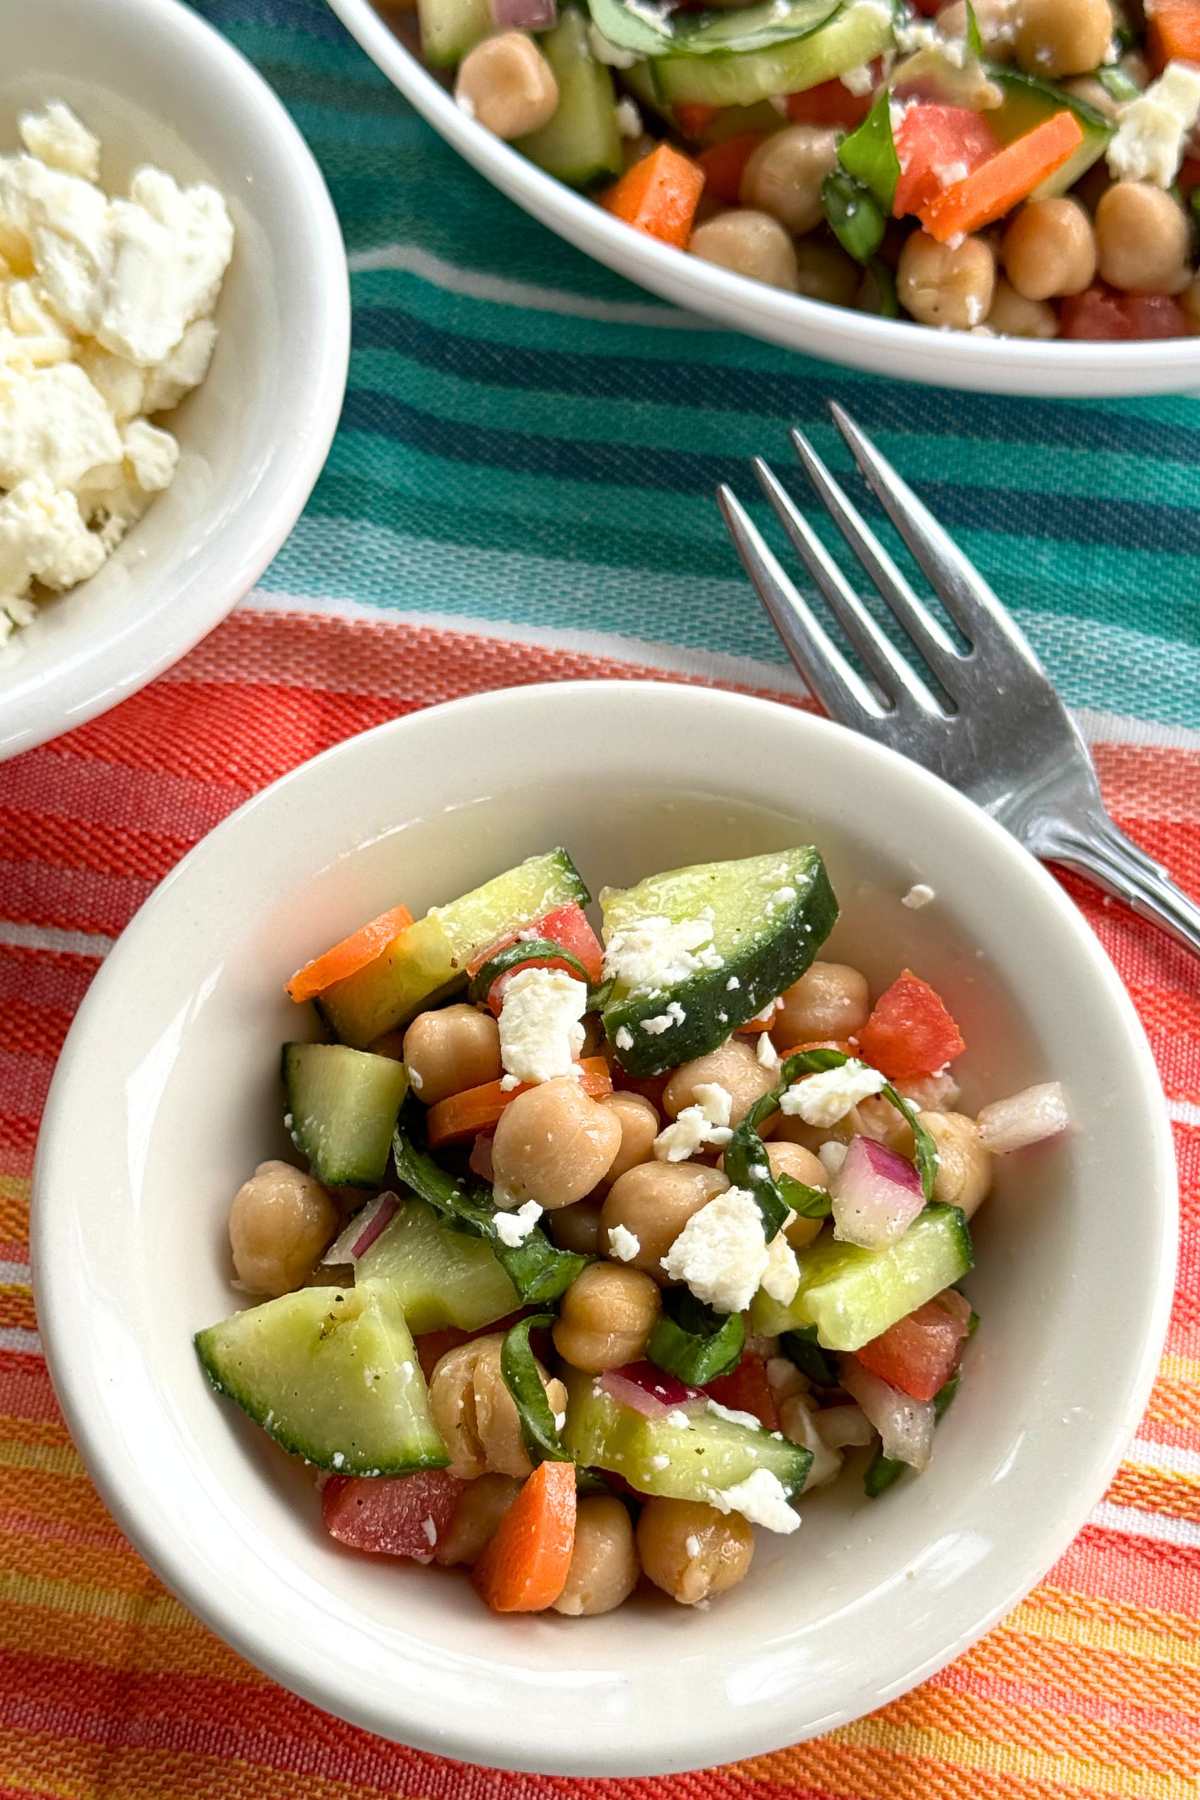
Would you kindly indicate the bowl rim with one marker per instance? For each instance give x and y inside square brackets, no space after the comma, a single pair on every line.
[62,1291]
[139,644]
[899,348]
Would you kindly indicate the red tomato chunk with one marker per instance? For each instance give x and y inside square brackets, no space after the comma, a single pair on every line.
[832,103]
[910,1031]
[392,1515]
[938,146]
[746,1389]
[1100,314]
[919,1354]
[566,925]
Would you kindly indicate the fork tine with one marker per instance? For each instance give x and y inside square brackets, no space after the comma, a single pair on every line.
[838,687]
[889,668]
[967,597]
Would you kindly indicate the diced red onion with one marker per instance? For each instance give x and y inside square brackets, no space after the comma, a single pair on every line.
[358,1236]
[648,1390]
[905,1426]
[480,1160]
[876,1195]
[1025,1118]
[524,15]
[843,1427]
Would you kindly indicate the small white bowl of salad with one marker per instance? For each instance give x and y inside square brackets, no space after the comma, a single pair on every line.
[1019,177]
[491,1290]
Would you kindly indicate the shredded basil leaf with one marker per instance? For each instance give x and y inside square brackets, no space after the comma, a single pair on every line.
[515,956]
[974,35]
[747,1167]
[809,1202]
[883,1470]
[518,1366]
[693,1342]
[869,153]
[801,1347]
[884,300]
[854,215]
[815,1062]
[537,1269]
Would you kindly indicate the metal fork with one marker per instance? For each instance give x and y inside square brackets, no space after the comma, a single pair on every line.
[986,719]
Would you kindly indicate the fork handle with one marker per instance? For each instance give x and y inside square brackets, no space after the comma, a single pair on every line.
[1107,857]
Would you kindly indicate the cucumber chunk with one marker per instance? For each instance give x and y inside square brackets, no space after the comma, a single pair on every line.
[769,915]
[331,1375]
[852,1295]
[709,1452]
[1027,102]
[440,1276]
[427,961]
[449,28]
[855,34]
[581,144]
[342,1109]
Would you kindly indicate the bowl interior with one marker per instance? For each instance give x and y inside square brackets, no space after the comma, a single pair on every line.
[168,1097]
[158,86]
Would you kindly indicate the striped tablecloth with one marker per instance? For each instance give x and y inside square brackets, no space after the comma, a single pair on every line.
[520,491]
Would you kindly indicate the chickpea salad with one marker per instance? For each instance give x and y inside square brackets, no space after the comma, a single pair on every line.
[610,1249]
[1027,168]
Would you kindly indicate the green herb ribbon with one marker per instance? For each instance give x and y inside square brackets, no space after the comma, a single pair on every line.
[518,1366]
[693,1342]
[515,956]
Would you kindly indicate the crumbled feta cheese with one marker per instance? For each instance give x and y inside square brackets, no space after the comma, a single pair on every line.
[623,1243]
[732,985]
[660,1461]
[783,896]
[766,1052]
[768,1012]
[823,1099]
[678,1419]
[705,1122]
[663,1021]
[53,424]
[61,141]
[918,895]
[560,1420]
[338,1458]
[781,1277]
[604,52]
[833,1155]
[430,1529]
[761,1499]
[657,953]
[1152,130]
[859,81]
[629,119]
[624,1038]
[43,538]
[691,1545]
[512,1228]
[733,1416]
[721,1253]
[541,1028]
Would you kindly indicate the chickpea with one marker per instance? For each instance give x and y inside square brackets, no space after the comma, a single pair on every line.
[475,1414]
[1014,316]
[1049,250]
[940,284]
[964,1167]
[606,1318]
[639,1128]
[1143,238]
[553,1144]
[826,273]
[784,175]
[748,243]
[830,1000]
[1190,302]
[483,1504]
[506,83]
[1062,37]
[733,1066]
[604,1564]
[280,1222]
[801,1165]
[577,1227]
[655,1202]
[451,1050]
[691,1551]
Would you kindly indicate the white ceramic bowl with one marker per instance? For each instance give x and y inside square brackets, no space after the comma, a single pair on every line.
[884,346]
[166,1096]
[158,85]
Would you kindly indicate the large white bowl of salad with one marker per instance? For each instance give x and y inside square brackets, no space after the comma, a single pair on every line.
[508,1315]
[1020,178]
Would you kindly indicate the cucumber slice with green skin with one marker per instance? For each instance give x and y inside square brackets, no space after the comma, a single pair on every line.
[449,28]
[770,915]
[1027,102]
[427,961]
[440,1276]
[342,1109]
[647,32]
[852,1295]
[710,1452]
[582,142]
[331,1375]
[857,32]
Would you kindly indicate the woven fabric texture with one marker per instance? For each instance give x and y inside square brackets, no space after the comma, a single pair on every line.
[521,491]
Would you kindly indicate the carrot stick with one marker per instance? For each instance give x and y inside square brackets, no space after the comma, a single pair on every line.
[1173,28]
[659,196]
[724,165]
[353,953]
[525,1566]
[997,185]
[464,1115]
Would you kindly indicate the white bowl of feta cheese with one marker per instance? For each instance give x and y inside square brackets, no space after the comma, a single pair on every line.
[151,1127]
[174,334]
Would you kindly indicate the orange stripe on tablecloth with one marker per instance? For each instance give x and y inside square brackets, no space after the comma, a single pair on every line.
[1104,1619]
[1157,1491]
[1174,1410]
[14,1209]
[27,1394]
[1133,1571]
[875,1766]
[16,1305]
[1124,1691]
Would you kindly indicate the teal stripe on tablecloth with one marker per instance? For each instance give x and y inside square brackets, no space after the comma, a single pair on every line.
[526,463]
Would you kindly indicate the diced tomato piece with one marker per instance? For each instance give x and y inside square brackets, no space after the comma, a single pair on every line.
[929,7]
[746,1389]
[1102,315]
[566,925]
[724,165]
[938,146]
[910,1031]
[695,118]
[919,1354]
[1189,173]
[832,103]
[392,1515]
